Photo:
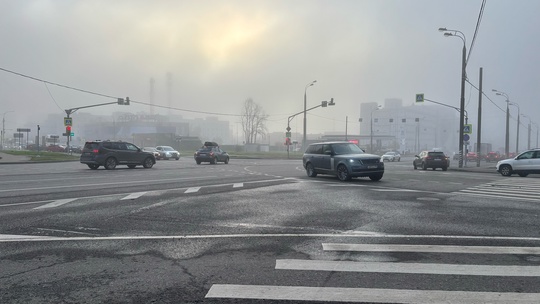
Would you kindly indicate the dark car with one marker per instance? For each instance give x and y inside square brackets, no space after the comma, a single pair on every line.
[343,159]
[431,159]
[109,154]
[212,154]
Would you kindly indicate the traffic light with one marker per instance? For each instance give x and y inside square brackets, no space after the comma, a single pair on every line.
[68,130]
[287,141]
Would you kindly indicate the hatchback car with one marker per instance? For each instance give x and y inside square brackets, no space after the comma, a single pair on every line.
[391,156]
[431,159]
[343,159]
[167,152]
[524,164]
[211,154]
[109,154]
[492,156]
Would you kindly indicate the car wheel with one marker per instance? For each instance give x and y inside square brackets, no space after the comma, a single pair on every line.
[399,159]
[93,167]
[110,163]
[148,163]
[424,166]
[505,170]
[523,174]
[198,162]
[132,166]
[414,165]
[226,160]
[376,177]
[177,158]
[343,173]
[310,171]
[444,168]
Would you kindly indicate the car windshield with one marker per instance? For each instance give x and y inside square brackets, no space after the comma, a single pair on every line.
[346,148]
[168,149]
[389,153]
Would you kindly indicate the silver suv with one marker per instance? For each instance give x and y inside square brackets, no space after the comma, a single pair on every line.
[343,159]
[524,164]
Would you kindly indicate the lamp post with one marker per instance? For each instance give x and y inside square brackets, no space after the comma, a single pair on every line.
[517,136]
[371,129]
[528,131]
[507,137]
[4,128]
[535,124]
[305,111]
[456,33]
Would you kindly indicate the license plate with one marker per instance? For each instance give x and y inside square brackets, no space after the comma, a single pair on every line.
[438,159]
[372,167]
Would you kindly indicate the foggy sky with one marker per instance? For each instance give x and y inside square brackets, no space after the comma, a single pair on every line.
[222,52]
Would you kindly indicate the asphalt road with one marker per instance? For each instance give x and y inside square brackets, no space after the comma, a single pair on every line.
[259,231]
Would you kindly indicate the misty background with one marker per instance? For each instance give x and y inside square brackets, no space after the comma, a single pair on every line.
[207,57]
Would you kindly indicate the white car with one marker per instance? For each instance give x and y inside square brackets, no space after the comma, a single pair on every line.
[524,164]
[167,152]
[391,156]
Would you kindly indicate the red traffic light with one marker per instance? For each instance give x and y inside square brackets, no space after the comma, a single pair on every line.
[68,129]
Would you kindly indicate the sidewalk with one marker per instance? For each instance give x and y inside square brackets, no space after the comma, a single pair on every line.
[8,158]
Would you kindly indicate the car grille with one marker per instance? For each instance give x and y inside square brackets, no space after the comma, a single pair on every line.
[371,161]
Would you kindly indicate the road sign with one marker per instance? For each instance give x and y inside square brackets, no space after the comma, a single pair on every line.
[23,130]
[288,134]
[71,134]
[420,97]
[467,129]
[466,137]
[288,129]
[68,121]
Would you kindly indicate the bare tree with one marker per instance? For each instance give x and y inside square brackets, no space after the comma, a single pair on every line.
[253,121]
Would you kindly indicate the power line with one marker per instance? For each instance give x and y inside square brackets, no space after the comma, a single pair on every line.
[480,14]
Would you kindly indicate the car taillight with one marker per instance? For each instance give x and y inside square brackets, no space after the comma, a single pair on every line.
[211,153]
[95,151]
[429,158]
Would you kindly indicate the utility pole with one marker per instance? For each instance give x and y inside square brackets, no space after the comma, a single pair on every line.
[479,128]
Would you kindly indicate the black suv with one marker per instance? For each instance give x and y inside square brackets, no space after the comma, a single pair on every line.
[431,159]
[343,159]
[109,154]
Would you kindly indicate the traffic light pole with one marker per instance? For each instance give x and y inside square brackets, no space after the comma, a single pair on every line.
[323,104]
[120,101]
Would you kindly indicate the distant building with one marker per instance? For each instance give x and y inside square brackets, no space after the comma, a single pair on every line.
[408,129]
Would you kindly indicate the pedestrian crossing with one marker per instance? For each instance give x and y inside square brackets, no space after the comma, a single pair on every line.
[510,188]
[388,294]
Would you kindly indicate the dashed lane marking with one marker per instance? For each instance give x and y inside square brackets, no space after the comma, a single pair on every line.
[193,190]
[133,196]
[430,248]
[238,185]
[56,203]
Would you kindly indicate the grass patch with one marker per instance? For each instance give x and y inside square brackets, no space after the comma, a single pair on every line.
[44,156]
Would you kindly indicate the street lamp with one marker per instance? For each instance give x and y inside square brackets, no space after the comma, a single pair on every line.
[507,137]
[535,124]
[528,131]
[517,137]
[305,110]
[4,128]
[456,33]
[371,128]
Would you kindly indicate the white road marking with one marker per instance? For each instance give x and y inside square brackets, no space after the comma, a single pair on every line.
[57,203]
[238,185]
[193,189]
[349,234]
[133,196]
[430,248]
[364,295]
[416,268]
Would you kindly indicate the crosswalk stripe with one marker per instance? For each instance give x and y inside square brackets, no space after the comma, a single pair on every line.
[522,188]
[57,203]
[192,190]
[414,268]
[430,248]
[133,196]
[335,294]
